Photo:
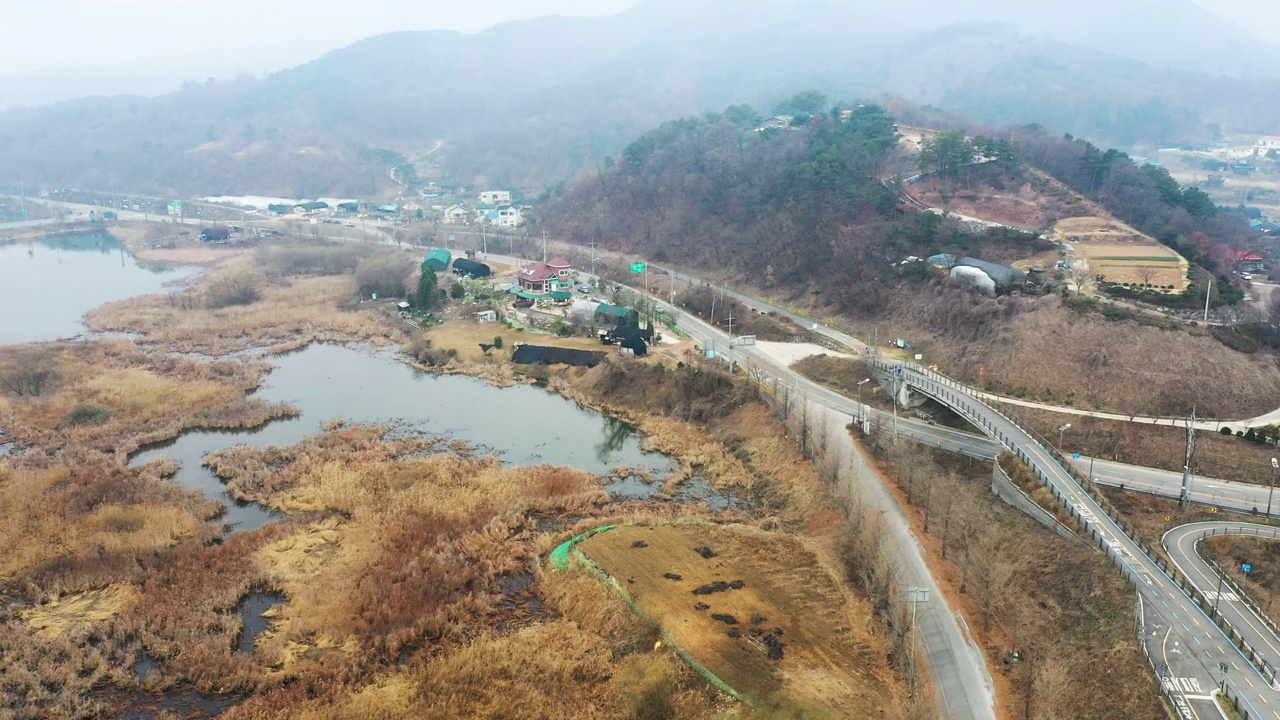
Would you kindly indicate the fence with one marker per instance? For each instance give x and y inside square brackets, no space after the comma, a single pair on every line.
[958,397]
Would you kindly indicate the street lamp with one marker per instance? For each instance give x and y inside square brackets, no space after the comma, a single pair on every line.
[1271,487]
[862,410]
[1062,430]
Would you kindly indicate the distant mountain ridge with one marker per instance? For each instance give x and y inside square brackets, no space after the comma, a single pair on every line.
[528,104]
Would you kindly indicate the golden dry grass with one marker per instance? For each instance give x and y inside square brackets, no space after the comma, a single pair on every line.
[41,521]
[290,313]
[79,609]
[149,396]
[831,664]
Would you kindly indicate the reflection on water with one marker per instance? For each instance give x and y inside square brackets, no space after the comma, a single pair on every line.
[616,434]
[47,285]
[523,425]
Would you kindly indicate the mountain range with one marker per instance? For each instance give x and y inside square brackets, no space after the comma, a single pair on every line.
[529,104]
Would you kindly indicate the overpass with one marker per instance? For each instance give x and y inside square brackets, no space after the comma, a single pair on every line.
[1192,645]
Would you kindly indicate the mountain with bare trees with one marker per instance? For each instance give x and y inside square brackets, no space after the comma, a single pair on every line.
[529,104]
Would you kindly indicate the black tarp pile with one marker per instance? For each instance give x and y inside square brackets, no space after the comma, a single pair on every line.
[541,355]
[632,339]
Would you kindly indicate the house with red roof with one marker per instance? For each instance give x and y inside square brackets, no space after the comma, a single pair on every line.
[544,278]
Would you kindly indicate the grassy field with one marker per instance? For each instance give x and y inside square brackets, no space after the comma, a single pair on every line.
[1122,254]
[790,638]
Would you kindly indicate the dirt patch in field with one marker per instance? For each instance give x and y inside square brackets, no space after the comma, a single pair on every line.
[759,611]
[1032,205]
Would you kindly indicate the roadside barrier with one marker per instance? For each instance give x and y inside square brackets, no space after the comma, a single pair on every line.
[960,398]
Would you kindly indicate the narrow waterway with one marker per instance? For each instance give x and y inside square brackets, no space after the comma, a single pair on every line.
[523,425]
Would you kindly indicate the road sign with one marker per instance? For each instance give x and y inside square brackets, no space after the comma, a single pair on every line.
[637,267]
[1246,567]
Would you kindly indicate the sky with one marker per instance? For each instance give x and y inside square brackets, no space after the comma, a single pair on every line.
[221,37]
[202,38]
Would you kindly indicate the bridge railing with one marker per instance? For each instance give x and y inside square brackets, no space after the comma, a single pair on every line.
[961,399]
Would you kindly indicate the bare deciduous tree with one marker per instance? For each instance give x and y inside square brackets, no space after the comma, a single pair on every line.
[30,373]
[1145,274]
[1080,275]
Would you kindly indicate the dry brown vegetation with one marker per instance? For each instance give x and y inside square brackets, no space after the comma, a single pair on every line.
[304,294]
[147,396]
[1158,446]
[791,637]
[411,568]
[1034,205]
[1059,603]
[1038,349]
[1262,582]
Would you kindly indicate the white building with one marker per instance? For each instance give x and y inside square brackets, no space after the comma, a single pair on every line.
[509,216]
[495,197]
[456,215]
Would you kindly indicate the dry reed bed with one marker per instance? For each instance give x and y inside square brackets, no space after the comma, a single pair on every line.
[148,396]
[291,312]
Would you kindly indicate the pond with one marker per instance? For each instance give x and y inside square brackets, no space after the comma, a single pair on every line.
[523,425]
[47,285]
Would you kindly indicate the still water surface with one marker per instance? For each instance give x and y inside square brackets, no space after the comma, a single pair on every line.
[525,425]
[46,286]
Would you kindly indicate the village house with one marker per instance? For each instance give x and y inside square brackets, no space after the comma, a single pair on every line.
[509,216]
[456,214]
[1268,142]
[543,278]
[495,198]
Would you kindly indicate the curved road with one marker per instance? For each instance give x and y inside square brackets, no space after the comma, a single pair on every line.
[1254,626]
[1186,647]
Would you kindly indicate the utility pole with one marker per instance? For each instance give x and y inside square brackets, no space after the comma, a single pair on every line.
[592,245]
[1207,295]
[897,377]
[544,246]
[1185,500]
[862,409]
[1271,487]
[730,324]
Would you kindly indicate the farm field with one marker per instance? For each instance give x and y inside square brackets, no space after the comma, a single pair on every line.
[1121,254]
[757,609]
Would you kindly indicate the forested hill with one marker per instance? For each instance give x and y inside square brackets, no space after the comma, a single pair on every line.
[812,211]
[802,207]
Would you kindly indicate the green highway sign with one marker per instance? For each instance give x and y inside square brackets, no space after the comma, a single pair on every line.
[637,267]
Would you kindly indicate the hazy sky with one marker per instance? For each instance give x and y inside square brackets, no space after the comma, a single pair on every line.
[219,37]
[222,36]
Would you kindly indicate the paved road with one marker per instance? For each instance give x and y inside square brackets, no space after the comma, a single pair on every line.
[1258,631]
[1185,645]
